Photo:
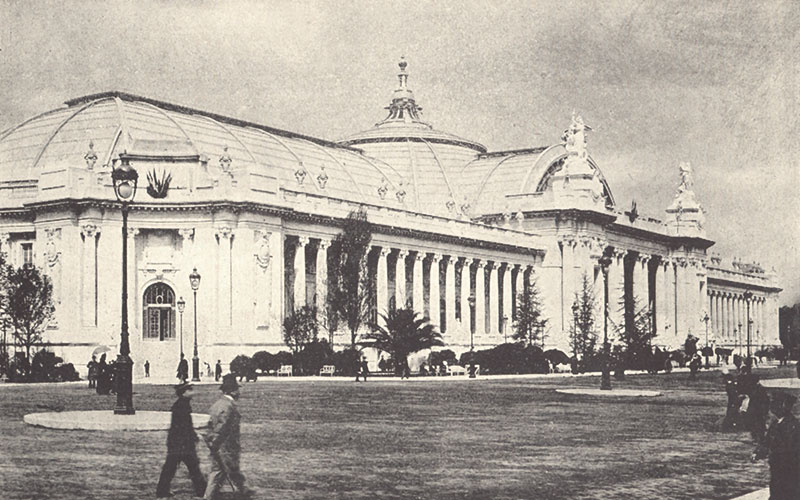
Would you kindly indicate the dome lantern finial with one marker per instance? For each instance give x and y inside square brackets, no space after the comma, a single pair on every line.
[403,107]
[403,75]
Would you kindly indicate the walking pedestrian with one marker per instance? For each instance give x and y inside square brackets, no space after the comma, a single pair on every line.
[362,370]
[756,410]
[92,375]
[181,441]
[223,442]
[103,384]
[183,369]
[782,446]
[146,368]
[218,371]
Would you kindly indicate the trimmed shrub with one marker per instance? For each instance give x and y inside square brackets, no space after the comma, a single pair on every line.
[313,356]
[265,362]
[243,366]
[346,361]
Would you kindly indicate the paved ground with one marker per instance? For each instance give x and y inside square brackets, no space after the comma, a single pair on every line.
[438,437]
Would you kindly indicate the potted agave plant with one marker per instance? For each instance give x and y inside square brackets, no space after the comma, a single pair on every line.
[157,186]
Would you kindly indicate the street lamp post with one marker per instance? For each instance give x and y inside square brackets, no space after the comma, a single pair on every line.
[705,320]
[471,301]
[181,307]
[747,296]
[125,179]
[605,379]
[194,280]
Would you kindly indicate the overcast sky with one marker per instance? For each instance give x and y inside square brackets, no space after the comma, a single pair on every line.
[712,83]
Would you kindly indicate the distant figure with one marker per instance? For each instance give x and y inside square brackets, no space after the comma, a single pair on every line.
[694,366]
[218,371]
[103,385]
[732,419]
[208,368]
[782,446]
[183,369]
[405,370]
[363,369]
[181,441]
[146,368]
[92,375]
[223,442]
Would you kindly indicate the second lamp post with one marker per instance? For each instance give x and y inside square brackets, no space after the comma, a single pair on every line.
[194,280]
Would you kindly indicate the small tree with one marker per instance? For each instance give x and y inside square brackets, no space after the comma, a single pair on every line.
[583,334]
[300,328]
[350,287]
[530,323]
[5,270]
[637,338]
[405,333]
[30,305]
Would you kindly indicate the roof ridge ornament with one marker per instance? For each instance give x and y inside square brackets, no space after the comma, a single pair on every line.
[90,156]
[403,107]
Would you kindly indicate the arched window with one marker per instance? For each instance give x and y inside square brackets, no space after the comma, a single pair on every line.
[159,312]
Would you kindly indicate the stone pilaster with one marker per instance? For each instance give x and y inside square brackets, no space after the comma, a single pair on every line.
[90,233]
[225,240]
[494,299]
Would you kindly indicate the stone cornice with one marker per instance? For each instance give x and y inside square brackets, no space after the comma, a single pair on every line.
[287,213]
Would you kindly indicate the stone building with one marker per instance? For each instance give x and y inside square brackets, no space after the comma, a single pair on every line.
[254,209]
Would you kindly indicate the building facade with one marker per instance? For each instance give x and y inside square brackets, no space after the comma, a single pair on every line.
[457,231]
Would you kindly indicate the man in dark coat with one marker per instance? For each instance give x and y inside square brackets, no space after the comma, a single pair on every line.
[223,442]
[218,371]
[181,441]
[782,446]
[183,370]
[755,416]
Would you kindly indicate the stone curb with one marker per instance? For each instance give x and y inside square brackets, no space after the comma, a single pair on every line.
[106,420]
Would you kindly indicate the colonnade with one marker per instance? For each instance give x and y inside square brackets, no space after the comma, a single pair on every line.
[458,294]
[728,317]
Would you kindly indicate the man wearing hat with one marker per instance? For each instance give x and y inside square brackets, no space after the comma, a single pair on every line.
[782,446]
[181,441]
[222,439]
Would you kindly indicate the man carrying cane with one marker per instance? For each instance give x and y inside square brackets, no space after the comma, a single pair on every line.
[222,439]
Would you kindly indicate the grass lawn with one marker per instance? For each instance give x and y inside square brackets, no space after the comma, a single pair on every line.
[442,439]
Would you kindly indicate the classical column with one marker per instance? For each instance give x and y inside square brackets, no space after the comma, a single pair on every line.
[640,282]
[466,290]
[400,279]
[300,272]
[382,282]
[616,290]
[494,300]
[480,297]
[729,317]
[661,301]
[507,302]
[4,245]
[89,274]
[417,297]
[450,294]
[321,283]
[435,295]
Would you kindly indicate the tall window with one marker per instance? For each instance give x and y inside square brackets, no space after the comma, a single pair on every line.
[159,312]
[27,254]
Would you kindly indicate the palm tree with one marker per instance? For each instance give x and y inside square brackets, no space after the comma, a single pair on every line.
[405,333]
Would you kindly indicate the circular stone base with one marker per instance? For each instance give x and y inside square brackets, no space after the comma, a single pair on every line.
[627,393]
[107,421]
[782,383]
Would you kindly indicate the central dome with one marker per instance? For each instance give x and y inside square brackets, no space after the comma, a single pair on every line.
[426,159]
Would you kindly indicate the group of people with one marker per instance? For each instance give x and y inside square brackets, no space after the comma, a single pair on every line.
[101,374]
[221,438]
[748,408]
